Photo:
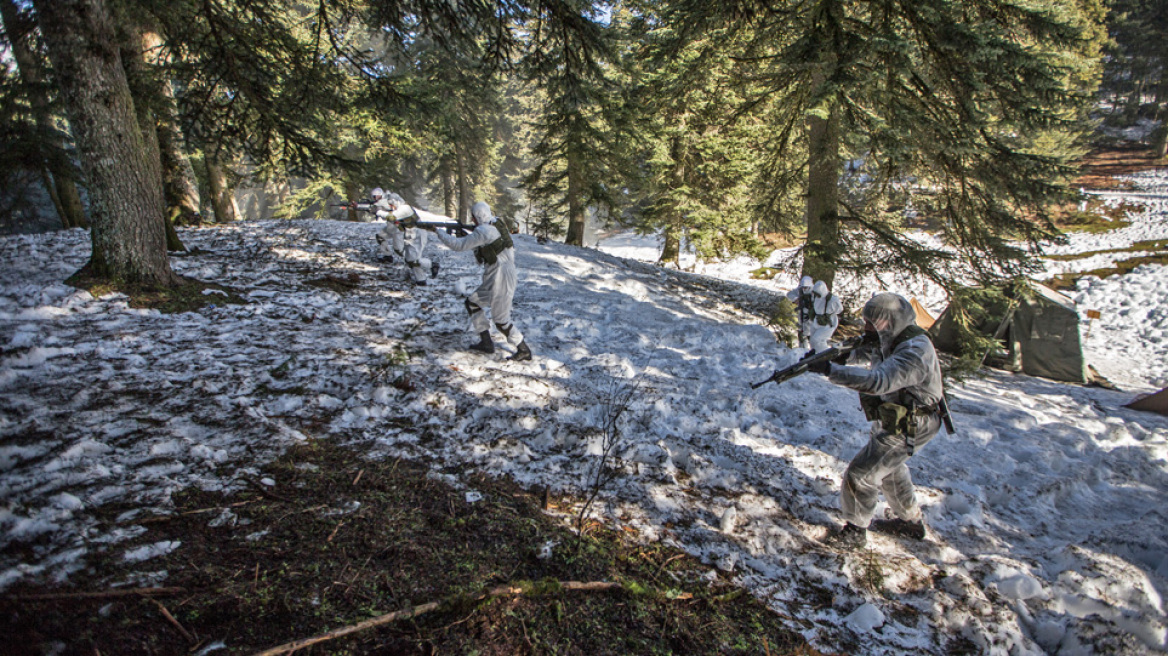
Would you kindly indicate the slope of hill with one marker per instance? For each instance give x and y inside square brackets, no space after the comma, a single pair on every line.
[1046,524]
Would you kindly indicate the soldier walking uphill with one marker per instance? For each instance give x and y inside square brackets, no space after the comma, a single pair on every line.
[804,302]
[493,249]
[826,308]
[903,393]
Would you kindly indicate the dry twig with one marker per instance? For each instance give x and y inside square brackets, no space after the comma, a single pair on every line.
[104,594]
[592,586]
[170,618]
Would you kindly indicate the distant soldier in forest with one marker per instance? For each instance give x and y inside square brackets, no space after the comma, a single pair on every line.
[493,248]
[408,242]
[902,395]
[826,309]
[805,308]
[386,238]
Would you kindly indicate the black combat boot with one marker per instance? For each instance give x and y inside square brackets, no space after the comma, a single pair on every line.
[485,344]
[900,527]
[522,353]
[848,537]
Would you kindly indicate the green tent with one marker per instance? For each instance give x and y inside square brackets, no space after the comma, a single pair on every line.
[1039,331]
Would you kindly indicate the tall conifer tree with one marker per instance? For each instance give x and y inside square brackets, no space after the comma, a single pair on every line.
[933,101]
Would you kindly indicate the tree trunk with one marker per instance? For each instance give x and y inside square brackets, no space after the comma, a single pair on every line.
[1160,136]
[821,252]
[671,251]
[61,181]
[222,195]
[352,192]
[463,186]
[675,223]
[448,199]
[575,206]
[126,205]
[47,182]
[178,176]
[146,89]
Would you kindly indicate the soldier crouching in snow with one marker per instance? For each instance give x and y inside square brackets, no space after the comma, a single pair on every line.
[903,392]
[493,249]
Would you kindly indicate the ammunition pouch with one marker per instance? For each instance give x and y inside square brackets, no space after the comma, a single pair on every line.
[898,419]
[869,404]
[893,419]
[489,254]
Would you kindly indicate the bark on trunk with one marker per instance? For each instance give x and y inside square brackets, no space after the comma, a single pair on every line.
[353,192]
[575,206]
[61,181]
[821,253]
[180,186]
[146,89]
[222,195]
[463,186]
[671,251]
[126,206]
[448,200]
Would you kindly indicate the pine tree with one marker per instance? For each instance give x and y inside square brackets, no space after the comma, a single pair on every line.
[1137,65]
[19,28]
[698,163]
[932,102]
[566,58]
[126,205]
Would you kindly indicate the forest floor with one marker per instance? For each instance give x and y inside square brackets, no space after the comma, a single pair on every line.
[1101,165]
[395,539]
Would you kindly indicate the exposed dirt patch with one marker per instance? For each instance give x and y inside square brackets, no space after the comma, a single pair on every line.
[1068,280]
[337,283]
[341,539]
[1101,165]
[187,296]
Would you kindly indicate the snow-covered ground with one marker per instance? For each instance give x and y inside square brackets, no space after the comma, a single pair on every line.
[1045,509]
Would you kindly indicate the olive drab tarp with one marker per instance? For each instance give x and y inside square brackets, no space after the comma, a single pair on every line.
[1040,333]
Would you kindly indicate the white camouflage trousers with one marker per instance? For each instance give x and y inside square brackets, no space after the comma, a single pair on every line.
[883,465]
[414,244]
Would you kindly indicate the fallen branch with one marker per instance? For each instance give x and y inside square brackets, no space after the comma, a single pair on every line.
[170,618]
[105,594]
[166,518]
[592,586]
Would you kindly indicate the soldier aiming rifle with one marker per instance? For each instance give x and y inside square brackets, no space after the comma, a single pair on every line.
[902,394]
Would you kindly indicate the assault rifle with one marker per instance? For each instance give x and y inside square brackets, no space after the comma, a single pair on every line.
[363,205]
[451,227]
[800,367]
[839,352]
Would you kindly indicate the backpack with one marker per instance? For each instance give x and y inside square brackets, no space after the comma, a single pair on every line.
[489,254]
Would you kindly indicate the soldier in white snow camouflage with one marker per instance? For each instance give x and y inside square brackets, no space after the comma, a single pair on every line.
[902,396]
